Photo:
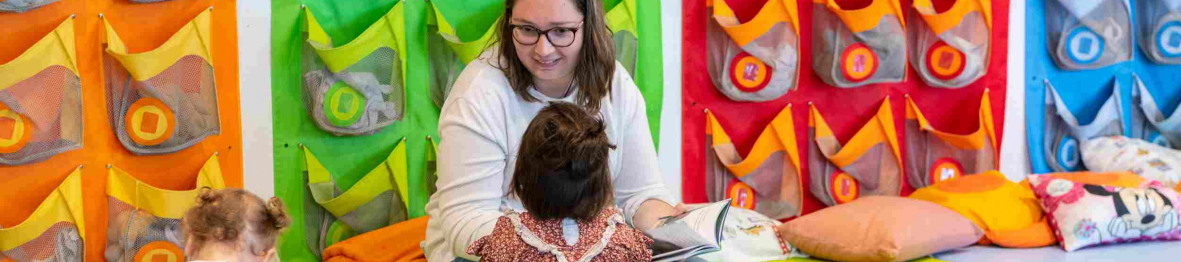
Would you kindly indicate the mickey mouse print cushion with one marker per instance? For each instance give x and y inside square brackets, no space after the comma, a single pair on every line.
[1084,215]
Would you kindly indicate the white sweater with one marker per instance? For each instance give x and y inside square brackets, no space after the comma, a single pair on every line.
[481,127]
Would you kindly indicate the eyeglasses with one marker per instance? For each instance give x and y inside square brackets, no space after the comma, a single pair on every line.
[557,36]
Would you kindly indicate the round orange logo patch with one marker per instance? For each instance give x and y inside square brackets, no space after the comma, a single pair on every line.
[159,251]
[742,195]
[844,188]
[858,62]
[748,73]
[945,169]
[149,122]
[945,62]
[15,130]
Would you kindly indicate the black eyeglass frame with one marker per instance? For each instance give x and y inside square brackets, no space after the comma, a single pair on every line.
[540,33]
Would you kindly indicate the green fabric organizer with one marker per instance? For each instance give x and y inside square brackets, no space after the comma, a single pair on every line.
[349,159]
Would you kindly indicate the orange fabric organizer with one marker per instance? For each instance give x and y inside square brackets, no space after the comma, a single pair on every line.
[143,27]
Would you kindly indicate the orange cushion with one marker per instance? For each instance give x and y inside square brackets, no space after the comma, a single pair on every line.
[1007,212]
[1116,179]
[398,243]
[880,228]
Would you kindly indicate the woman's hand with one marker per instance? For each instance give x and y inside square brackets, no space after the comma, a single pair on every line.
[652,211]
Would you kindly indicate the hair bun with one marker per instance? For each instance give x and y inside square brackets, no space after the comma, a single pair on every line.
[278,213]
[206,196]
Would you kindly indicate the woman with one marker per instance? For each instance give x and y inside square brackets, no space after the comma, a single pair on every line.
[548,50]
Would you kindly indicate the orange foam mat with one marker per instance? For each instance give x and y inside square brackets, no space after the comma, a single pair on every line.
[143,27]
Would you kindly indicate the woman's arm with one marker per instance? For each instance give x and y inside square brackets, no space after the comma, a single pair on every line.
[471,175]
[639,188]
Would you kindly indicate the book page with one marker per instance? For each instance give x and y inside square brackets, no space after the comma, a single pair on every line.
[705,220]
[695,228]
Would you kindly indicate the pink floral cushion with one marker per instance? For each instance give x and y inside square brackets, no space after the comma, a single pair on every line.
[1084,215]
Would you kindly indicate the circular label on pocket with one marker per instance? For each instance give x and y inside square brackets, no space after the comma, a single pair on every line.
[343,105]
[945,169]
[1168,39]
[149,122]
[858,62]
[1068,154]
[944,61]
[844,188]
[748,73]
[15,130]
[742,195]
[159,251]
[337,232]
[1084,46]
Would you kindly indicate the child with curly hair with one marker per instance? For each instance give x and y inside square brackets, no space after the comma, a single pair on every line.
[233,225]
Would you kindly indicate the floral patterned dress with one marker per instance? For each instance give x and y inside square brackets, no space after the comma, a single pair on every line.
[521,237]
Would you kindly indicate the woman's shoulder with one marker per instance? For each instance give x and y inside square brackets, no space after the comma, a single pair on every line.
[481,77]
[624,92]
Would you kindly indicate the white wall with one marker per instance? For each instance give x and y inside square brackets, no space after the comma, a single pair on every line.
[254,59]
[254,42]
[670,115]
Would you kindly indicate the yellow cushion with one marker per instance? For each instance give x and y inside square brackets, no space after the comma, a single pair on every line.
[1115,179]
[998,206]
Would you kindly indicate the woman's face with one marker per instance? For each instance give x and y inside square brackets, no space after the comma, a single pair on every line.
[547,62]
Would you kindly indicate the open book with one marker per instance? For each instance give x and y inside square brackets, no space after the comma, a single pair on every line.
[691,234]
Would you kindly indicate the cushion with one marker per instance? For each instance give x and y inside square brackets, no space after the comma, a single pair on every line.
[1007,212]
[1146,159]
[880,228]
[1084,215]
[1116,179]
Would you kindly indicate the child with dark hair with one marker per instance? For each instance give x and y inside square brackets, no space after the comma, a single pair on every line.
[233,225]
[562,179]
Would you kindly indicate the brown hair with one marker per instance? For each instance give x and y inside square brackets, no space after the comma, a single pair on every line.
[222,215]
[562,169]
[596,62]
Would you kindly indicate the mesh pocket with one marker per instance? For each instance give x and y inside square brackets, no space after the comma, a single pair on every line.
[626,50]
[20,6]
[356,88]
[1160,30]
[166,113]
[754,61]
[357,101]
[950,49]
[53,231]
[162,107]
[1089,34]
[445,68]
[449,53]
[136,235]
[373,202]
[143,221]
[868,164]
[40,101]
[934,156]
[849,50]
[621,19]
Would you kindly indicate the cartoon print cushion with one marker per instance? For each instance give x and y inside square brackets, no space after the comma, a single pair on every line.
[1086,215]
[750,236]
[1144,158]
[880,228]
[1007,212]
